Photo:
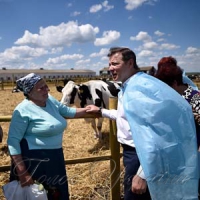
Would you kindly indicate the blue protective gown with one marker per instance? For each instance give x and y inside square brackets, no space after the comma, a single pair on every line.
[163,129]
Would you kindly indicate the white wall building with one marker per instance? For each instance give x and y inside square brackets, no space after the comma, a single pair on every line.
[14,74]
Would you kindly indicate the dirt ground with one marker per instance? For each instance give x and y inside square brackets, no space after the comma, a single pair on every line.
[88,181]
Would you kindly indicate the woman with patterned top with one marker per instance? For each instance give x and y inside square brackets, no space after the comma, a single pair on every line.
[171,74]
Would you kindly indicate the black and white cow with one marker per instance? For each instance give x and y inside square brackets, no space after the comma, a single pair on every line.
[95,92]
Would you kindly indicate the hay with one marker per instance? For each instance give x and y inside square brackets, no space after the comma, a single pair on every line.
[88,181]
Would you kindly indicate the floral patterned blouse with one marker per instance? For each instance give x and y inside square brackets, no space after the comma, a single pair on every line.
[193,97]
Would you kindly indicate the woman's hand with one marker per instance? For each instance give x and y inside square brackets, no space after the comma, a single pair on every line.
[92,109]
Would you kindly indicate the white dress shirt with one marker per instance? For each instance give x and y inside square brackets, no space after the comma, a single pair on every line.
[124,135]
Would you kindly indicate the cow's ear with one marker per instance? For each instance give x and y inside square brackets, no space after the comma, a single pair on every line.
[59,88]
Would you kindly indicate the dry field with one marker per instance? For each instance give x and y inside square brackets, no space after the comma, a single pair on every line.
[89,181]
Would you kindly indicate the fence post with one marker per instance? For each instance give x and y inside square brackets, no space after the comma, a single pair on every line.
[2,85]
[115,156]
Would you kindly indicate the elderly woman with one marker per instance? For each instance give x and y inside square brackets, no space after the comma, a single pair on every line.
[35,138]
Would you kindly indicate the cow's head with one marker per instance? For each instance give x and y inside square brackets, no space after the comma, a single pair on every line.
[75,94]
[69,93]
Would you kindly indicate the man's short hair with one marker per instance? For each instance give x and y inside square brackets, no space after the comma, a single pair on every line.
[127,54]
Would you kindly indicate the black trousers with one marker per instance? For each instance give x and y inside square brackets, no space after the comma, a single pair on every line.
[46,166]
[131,164]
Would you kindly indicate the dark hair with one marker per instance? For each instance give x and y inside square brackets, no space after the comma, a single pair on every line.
[127,54]
[168,71]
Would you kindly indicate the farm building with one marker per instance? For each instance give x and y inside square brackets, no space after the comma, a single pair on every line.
[14,74]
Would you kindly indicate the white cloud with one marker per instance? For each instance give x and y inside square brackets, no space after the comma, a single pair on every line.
[161,40]
[105,58]
[150,45]
[106,6]
[20,57]
[63,58]
[102,52]
[158,33]
[108,38]
[130,17]
[82,62]
[192,50]
[145,53]
[22,53]
[168,46]
[75,13]
[95,8]
[143,36]
[62,35]
[189,61]
[56,50]
[133,4]
[69,4]
[98,7]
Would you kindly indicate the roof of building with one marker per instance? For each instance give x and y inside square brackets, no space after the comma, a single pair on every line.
[44,71]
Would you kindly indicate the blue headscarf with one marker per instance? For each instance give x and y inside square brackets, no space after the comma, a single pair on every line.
[26,83]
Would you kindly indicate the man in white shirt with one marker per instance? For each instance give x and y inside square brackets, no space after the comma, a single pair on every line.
[155,120]
[135,186]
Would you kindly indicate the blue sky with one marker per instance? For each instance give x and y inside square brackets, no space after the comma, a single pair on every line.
[58,34]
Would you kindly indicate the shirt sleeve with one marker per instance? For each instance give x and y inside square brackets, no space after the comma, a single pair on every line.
[111,114]
[17,129]
[140,172]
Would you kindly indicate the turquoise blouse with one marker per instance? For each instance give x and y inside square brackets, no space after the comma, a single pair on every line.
[42,127]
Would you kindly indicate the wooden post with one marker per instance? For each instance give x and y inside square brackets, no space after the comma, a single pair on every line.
[13,77]
[115,156]
[2,85]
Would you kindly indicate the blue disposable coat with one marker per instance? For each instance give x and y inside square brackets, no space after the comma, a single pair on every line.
[163,129]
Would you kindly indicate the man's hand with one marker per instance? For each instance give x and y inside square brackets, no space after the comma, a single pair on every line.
[139,185]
